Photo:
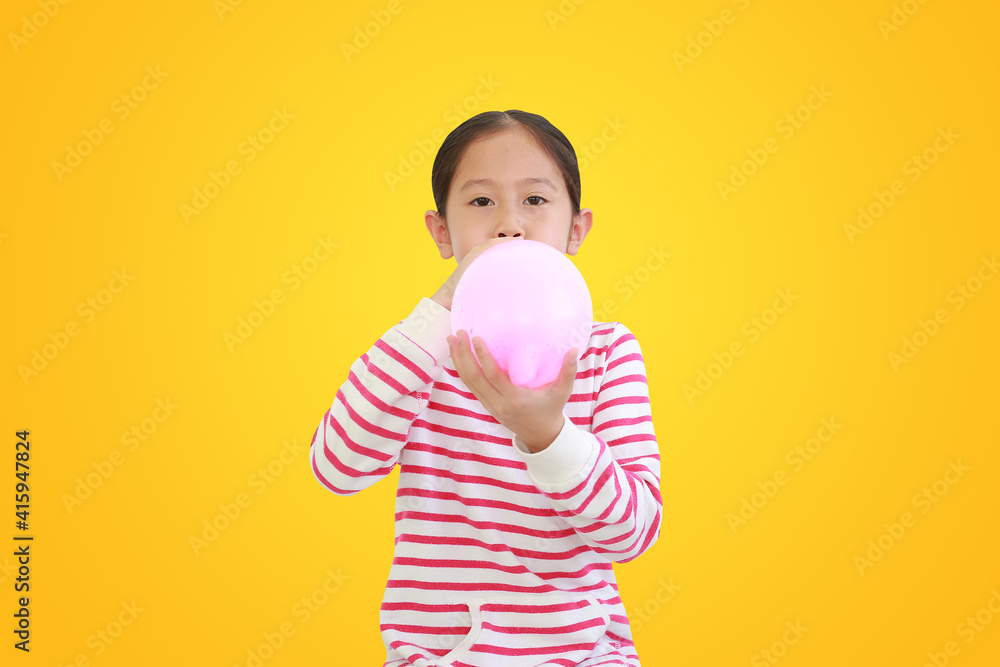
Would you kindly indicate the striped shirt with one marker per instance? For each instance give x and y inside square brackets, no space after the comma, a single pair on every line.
[502,557]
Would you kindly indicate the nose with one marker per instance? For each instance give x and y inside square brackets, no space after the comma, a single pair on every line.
[510,225]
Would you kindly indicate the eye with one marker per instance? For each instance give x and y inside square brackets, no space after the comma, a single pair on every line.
[536,197]
[473,202]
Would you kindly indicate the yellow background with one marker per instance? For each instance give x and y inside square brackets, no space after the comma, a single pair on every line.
[654,185]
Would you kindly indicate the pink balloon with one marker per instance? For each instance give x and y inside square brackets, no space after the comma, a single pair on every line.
[530,305]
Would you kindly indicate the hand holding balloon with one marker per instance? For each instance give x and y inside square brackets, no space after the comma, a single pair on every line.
[531,310]
[534,415]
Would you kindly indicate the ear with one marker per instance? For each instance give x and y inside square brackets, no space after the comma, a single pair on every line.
[439,232]
[582,222]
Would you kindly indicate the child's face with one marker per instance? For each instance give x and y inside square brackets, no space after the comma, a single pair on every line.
[478,212]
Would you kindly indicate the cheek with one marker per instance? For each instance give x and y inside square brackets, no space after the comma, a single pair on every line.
[462,250]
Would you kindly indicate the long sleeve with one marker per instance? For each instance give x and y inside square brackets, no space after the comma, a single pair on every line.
[360,437]
[606,483]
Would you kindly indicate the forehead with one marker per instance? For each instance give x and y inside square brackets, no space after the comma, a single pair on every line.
[506,157]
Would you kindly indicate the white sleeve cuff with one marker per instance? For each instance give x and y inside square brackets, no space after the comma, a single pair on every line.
[568,459]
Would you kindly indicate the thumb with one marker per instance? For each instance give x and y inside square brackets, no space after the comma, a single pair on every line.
[570,363]
[563,382]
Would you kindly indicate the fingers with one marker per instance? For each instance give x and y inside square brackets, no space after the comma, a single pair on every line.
[490,381]
[486,360]
[484,377]
[569,368]
[461,351]
[563,382]
[476,374]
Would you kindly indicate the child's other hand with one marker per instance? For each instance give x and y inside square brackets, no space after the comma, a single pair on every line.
[446,292]
[534,415]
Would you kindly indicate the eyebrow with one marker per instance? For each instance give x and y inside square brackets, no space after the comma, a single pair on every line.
[523,181]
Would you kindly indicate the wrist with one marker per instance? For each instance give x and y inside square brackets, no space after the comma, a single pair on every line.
[540,440]
[444,299]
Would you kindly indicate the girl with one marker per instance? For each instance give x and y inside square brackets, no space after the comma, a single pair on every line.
[512,503]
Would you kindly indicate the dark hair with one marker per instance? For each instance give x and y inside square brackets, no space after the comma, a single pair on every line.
[488,123]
